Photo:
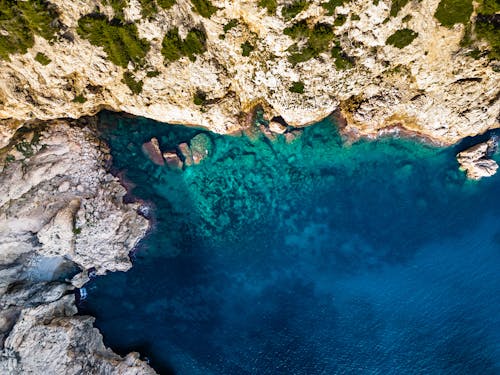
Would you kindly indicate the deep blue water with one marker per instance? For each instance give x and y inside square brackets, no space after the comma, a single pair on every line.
[315,257]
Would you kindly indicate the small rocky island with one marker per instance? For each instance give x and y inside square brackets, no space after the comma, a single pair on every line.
[399,68]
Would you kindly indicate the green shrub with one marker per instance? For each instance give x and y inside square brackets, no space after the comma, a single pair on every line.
[332,4]
[486,26]
[246,48]
[451,12]
[173,47]
[120,41]
[42,58]
[297,87]
[270,5]
[231,24]
[133,85]
[355,17]
[79,99]
[298,30]
[291,10]
[148,8]
[21,20]
[319,40]
[166,4]
[396,6]
[153,73]
[204,8]
[401,38]
[340,20]
[342,60]
[118,6]
[200,98]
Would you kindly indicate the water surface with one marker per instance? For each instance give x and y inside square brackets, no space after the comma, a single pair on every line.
[310,257]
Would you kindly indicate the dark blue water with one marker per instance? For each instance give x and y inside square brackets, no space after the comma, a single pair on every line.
[313,257]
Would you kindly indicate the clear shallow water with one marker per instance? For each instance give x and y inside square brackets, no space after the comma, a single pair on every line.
[306,258]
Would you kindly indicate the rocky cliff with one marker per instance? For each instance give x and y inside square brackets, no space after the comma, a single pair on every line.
[61,216]
[426,67]
[409,65]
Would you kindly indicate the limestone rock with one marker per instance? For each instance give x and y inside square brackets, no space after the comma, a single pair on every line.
[49,233]
[432,87]
[152,150]
[201,147]
[277,127]
[476,162]
[173,160]
[186,153]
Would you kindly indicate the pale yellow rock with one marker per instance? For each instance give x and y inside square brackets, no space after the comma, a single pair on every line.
[430,87]
[475,161]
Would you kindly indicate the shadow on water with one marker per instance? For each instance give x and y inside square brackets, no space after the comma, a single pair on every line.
[305,256]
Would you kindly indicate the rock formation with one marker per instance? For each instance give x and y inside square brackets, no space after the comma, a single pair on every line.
[61,215]
[386,66]
[476,162]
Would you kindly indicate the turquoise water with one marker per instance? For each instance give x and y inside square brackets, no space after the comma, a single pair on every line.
[310,257]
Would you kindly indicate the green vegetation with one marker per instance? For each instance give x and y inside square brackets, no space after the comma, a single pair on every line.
[270,5]
[120,41]
[319,40]
[342,60]
[231,24]
[297,87]
[402,38]
[10,158]
[166,4]
[204,8]
[298,30]
[246,48]
[148,8]
[291,10]
[200,98]
[451,12]
[407,18]
[42,58]
[375,2]
[77,230]
[80,99]
[133,85]
[396,6]
[340,20]
[118,6]
[153,73]
[20,21]
[173,47]
[25,148]
[488,26]
[355,17]
[332,4]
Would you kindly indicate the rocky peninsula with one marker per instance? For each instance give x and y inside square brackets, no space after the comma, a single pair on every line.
[400,67]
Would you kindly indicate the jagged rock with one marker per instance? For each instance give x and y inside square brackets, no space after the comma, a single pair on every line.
[292,136]
[186,153]
[277,127]
[201,147]
[47,233]
[152,150]
[425,87]
[476,162]
[173,160]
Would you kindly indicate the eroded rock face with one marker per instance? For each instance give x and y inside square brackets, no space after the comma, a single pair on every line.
[431,87]
[61,214]
[476,162]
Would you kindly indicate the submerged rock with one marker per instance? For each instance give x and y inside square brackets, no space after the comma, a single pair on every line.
[476,162]
[152,150]
[173,160]
[201,147]
[186,154]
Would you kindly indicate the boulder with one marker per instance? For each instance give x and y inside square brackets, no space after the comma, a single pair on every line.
[277,127]
[201,147]
[152,150]
[476,162]
[186,154]
[173,160]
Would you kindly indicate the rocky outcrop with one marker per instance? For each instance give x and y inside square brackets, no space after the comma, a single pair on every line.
[476,161]
[61,215]
[432,87]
